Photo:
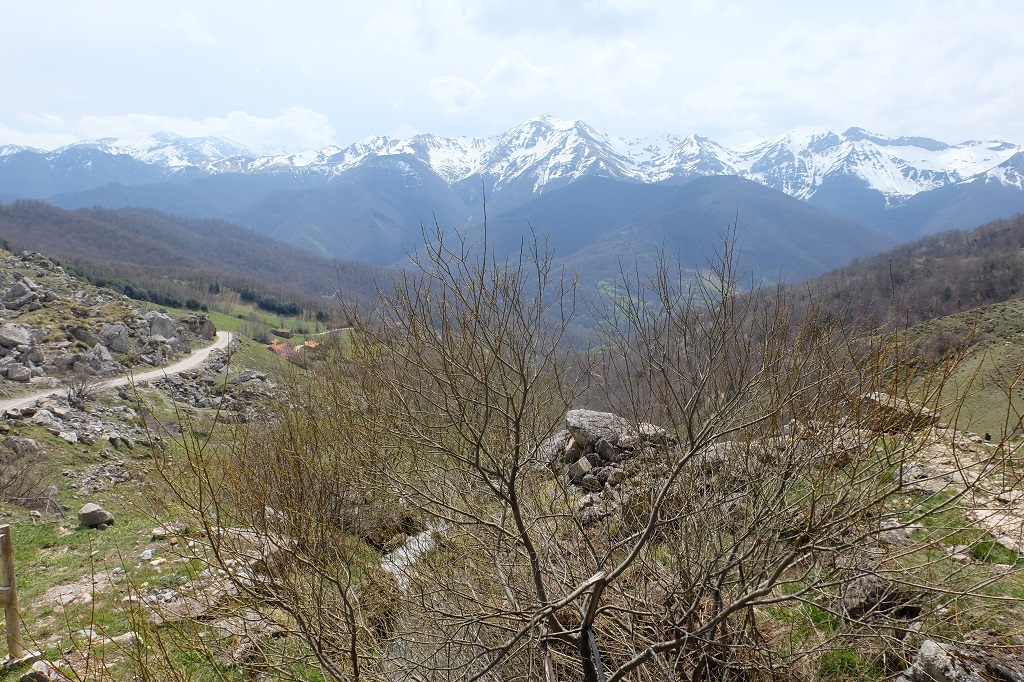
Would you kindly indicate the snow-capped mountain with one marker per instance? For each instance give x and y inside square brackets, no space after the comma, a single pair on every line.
[545,152]
[1009,173]
[554,152]
[170,151]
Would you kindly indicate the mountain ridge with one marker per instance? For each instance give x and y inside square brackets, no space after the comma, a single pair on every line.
[551,152]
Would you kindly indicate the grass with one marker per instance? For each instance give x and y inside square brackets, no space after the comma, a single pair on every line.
[994,336]
[845,664]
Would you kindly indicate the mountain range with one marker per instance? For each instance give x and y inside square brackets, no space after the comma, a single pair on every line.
[858,191]
[549,153]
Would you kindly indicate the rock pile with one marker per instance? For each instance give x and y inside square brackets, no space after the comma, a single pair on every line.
[882,412]
[215,385]
[598,447]
[118,425]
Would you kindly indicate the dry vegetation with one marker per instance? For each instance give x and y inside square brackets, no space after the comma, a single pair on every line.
[399,519]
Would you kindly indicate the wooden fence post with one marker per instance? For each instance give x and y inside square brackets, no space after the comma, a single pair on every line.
[9,597]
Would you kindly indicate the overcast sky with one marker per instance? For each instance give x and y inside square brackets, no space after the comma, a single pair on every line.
[310,73]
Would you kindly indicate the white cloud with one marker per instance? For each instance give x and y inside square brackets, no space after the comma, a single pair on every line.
[454,95]
[295,128]
[517,76]
[193,29]
[943,68]
[42,132]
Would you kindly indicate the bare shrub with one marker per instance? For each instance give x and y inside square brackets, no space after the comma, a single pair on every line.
[24,477]
[81,387]
[403,524]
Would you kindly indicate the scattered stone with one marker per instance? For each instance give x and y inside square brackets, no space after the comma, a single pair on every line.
[44,671]
[103,477]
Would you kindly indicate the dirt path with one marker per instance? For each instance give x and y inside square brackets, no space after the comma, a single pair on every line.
[952,461]
[194,360]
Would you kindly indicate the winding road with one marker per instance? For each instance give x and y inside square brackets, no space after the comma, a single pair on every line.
[194,360]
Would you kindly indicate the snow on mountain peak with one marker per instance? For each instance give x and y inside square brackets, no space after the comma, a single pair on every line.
[169,150]
[547,151]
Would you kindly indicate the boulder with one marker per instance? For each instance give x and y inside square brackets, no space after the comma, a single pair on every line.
[608,452]
[115,337]
[21,446]
[579,468]
[161,324]
[871,593]
[550,451]
[32,355]
[83,335]
[883,412]
[44,671]
[13,335]
[99,361]
[92,515]
[20,294]
[864,594]
[587,426]
[19,373]
[894,533]
[940,662]
[17,290]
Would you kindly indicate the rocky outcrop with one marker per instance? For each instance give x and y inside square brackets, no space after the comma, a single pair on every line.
[199,325]
[65,327]
[886,413]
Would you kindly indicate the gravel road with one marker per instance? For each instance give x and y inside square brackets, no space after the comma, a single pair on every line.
[194,360]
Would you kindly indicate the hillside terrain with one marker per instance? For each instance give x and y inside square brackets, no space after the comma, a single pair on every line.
[184,258]
[915,562]
[931,277]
